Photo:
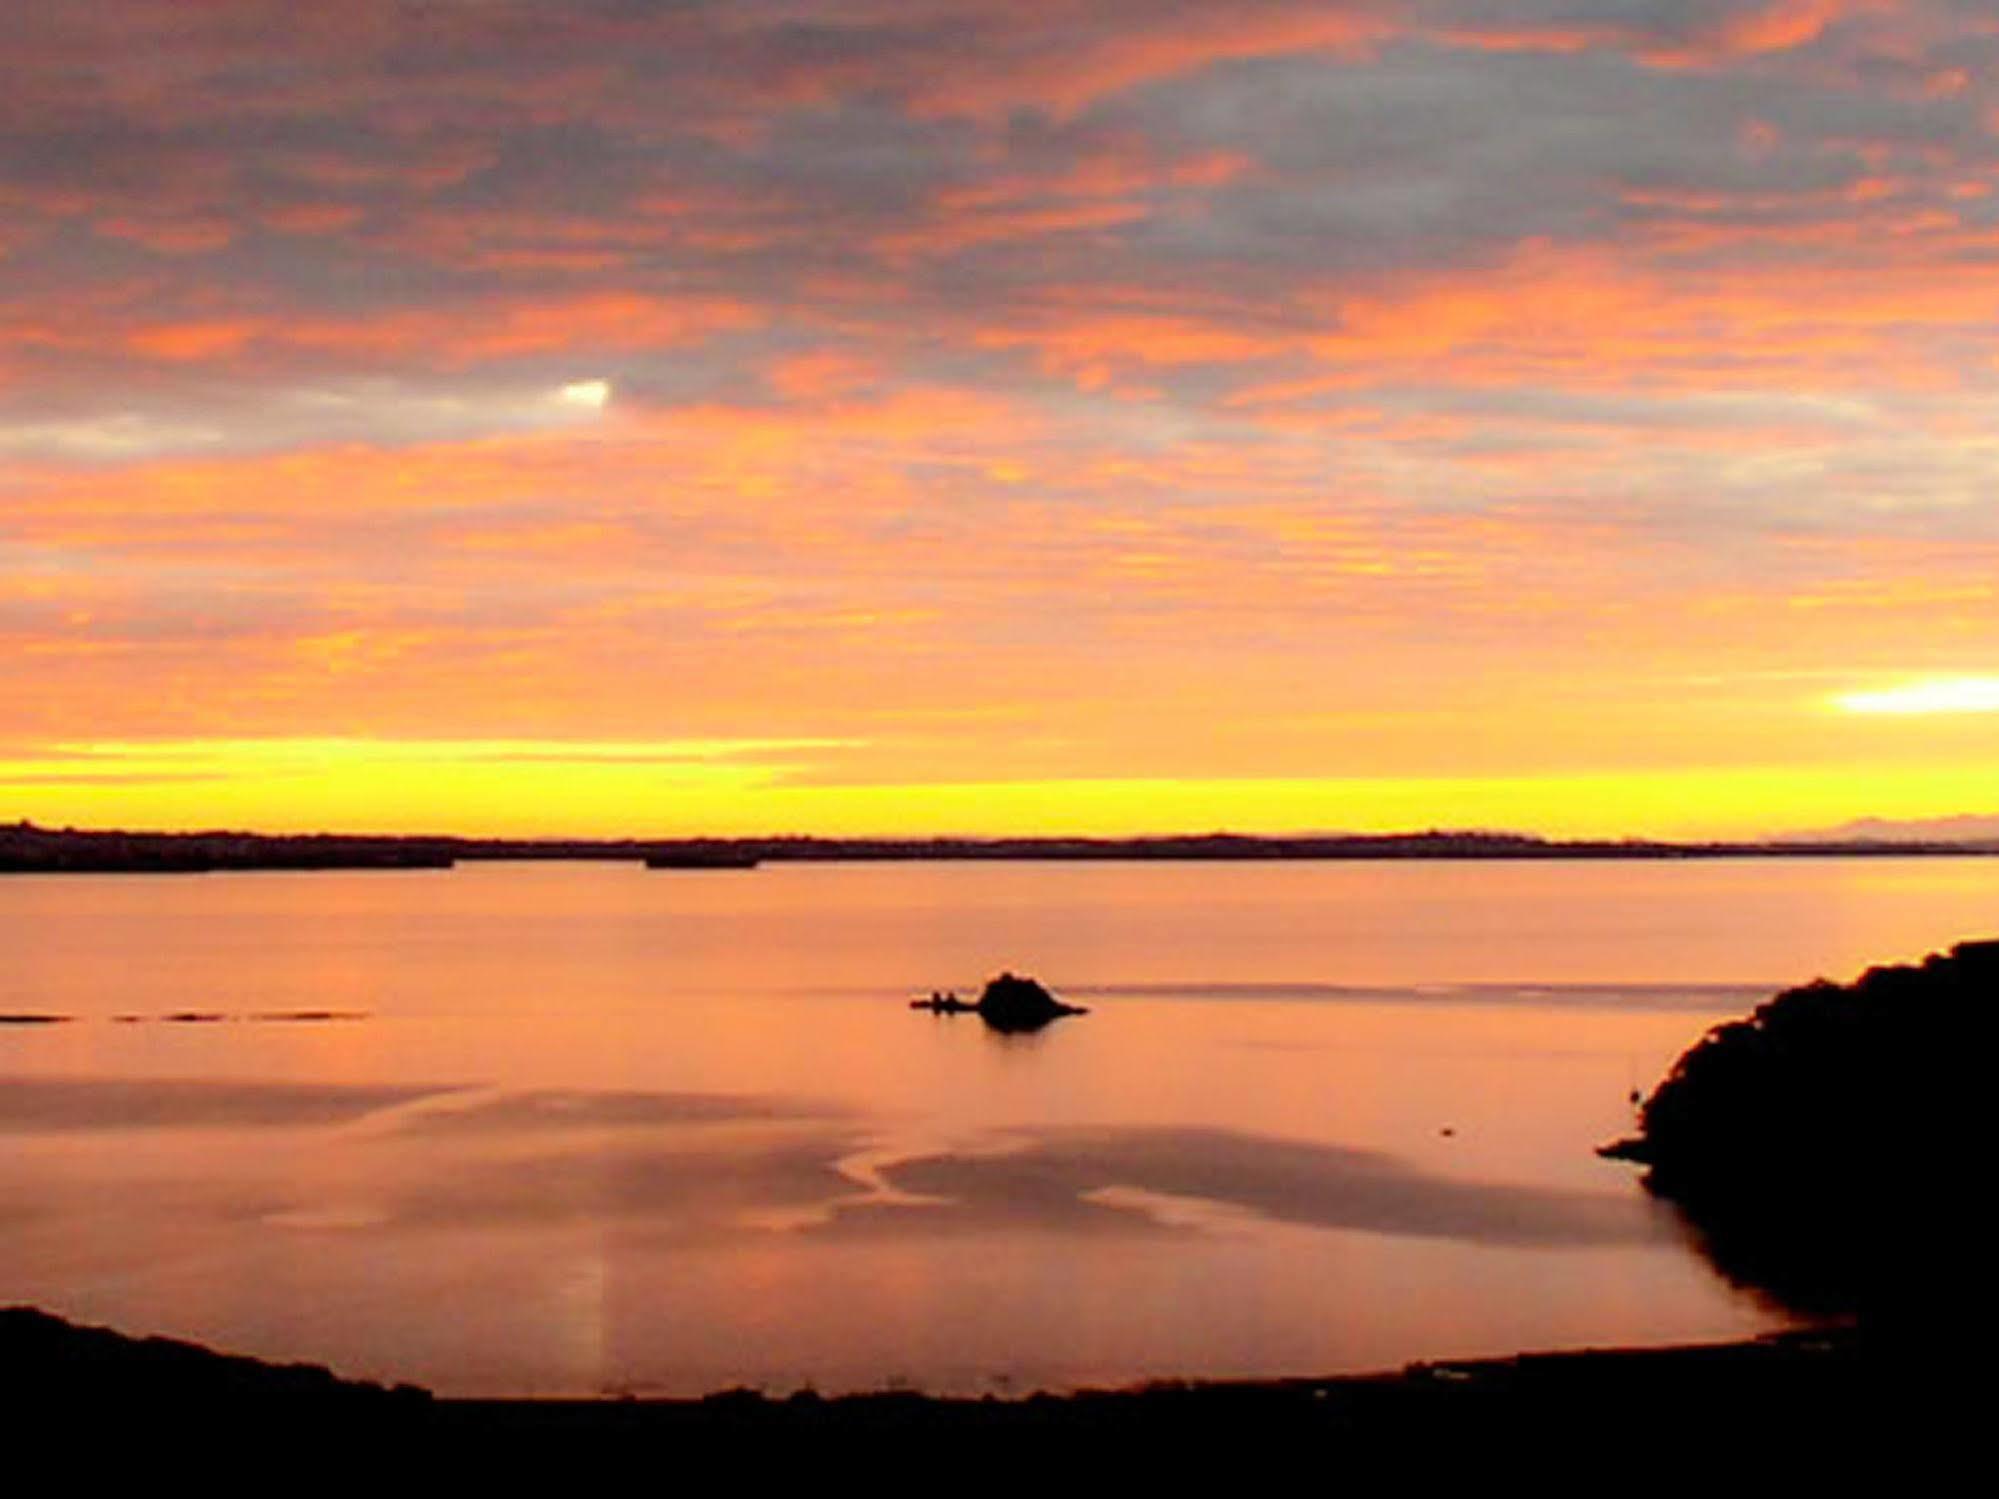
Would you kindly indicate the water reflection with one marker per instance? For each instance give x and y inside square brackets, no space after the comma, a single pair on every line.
[1097,1180]
[1810,1264]
[571,1109]
[599,1129]
[707,1190]
[33,1104]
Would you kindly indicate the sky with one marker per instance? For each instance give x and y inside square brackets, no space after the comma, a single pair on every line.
[909,416]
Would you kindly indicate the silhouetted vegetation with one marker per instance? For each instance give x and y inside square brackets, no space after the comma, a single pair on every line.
[1829,1149]
[48,1359]
[1009,1003]
[1786,1390]
[718,854]
[28,849]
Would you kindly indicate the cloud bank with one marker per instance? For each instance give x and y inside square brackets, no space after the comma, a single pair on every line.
[1010,394]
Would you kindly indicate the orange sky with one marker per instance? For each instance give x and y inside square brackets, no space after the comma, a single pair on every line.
[948,415]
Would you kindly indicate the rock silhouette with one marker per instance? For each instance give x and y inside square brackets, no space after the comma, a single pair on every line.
[1008,1003]
[1828,1149]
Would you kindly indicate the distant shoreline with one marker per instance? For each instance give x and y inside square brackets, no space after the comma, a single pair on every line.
[28,849]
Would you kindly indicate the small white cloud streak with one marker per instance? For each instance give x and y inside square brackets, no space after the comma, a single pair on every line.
[112,438]
[592,395]
[1938,695]
[371,410]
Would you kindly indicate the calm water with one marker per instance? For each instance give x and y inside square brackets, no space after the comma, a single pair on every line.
[580,1128]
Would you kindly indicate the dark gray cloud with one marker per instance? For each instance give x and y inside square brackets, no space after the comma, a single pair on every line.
[911,313]
[466,157]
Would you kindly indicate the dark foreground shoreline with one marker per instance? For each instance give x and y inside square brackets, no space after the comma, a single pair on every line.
[28,849]
[1784,1389]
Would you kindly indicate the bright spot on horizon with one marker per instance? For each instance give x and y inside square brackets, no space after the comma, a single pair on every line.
[592,395]
[1946,695]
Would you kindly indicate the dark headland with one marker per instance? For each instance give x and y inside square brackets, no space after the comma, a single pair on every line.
[26,848]
[1830,1150]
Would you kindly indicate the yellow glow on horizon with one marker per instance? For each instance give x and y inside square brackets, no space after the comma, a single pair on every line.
[764,787]
[289,753]
[1937,695]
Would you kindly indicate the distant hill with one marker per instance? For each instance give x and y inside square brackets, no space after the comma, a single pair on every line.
[28,849]
[1964,828]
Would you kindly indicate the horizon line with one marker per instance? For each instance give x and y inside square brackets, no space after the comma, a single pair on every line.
[1833,836]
